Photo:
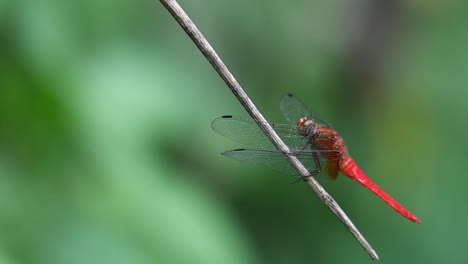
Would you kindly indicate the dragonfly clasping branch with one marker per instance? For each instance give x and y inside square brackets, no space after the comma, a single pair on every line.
[200,41]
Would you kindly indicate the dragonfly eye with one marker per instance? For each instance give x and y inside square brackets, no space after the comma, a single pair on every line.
[302,125]
[306,127]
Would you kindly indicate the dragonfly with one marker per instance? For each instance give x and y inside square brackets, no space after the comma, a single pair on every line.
[312,140]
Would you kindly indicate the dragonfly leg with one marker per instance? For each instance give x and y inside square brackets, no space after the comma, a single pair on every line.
[295,153]
[318,167]
[311,173]
[298,151]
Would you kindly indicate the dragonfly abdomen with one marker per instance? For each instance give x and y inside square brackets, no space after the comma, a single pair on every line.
[349,167]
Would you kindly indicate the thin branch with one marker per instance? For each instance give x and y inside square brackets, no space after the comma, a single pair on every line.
[186,23]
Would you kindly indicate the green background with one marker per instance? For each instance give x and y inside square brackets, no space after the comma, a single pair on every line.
[107,155]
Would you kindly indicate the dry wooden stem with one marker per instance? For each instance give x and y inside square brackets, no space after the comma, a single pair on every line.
[186,23]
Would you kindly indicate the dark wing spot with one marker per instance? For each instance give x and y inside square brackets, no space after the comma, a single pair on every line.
[227,116]
[230,151]
[290,95]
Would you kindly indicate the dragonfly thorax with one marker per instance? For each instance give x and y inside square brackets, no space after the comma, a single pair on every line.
[307,127]
[321,138]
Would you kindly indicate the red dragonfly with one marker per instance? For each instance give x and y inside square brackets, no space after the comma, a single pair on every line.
[313,141]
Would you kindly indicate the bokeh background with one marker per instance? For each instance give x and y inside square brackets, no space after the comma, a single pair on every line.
[107,155]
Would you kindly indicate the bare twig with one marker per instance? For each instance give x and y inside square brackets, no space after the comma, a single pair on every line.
[186,23]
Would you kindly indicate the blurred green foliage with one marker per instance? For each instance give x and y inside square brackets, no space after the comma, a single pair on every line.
[107,156]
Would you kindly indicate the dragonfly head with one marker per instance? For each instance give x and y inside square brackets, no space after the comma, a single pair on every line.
[307,127]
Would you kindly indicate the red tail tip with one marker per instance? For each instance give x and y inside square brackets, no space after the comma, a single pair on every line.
[415,219]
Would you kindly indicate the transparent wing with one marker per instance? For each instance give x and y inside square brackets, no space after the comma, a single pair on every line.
[246,131]
[293,110]
[276,160]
